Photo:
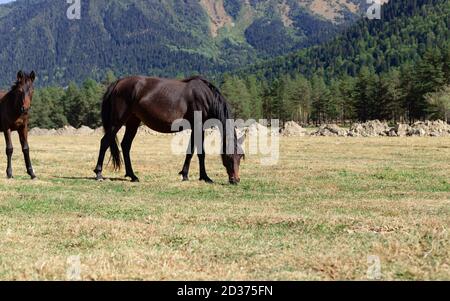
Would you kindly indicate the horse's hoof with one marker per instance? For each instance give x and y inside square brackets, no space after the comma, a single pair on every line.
[33,178]
[185,179]
[9,177]
[207,180]
[99,179]
[135,180]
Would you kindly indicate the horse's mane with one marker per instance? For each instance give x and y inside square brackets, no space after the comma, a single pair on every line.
[17,82]
[219,106]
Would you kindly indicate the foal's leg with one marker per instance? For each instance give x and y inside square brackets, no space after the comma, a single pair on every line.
[9,152]
[130,133]
[189,156]
[23,135]
[104,145]
[201,158]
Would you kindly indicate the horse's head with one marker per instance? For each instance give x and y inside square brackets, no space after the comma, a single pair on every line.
[232,162]
[24,90]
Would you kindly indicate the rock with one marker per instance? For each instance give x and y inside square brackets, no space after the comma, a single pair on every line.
[437,128]
[330,130]
[84,131]
[99,131]
[257,129]
[372,128]
[41,132]
[293,129]
[145,130]
[66,131]
[402,130]
[393,133]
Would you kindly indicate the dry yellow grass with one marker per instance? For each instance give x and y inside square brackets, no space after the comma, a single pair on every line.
[319,214]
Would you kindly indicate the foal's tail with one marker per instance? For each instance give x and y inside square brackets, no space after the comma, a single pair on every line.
[107,107]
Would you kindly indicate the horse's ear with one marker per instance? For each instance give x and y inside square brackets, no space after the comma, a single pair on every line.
[20,75]
[32,76]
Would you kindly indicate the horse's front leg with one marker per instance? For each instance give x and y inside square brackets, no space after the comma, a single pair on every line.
[23,136]
[9,153]
[201,159]
[187,163]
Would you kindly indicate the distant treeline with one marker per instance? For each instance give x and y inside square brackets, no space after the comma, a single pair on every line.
[55,107]
[406,94]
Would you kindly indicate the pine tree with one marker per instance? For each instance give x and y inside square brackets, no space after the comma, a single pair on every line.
[347,90]
[335,102]
[390,96]
[428,78]
[365,95]
[235,90]
[298,99]
[255,93]
[439,104]
[319,99]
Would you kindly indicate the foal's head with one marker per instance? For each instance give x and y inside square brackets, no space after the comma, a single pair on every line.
[23,91]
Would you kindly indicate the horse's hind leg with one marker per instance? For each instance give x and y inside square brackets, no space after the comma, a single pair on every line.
[9,152]
[104,145]
[130,133]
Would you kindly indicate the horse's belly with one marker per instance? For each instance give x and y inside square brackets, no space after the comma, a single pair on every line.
[158,121]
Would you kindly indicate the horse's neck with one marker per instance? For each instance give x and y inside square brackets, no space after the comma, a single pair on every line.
[8,113]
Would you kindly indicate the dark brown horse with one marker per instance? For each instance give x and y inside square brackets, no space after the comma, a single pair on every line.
[158,103]
[14,108]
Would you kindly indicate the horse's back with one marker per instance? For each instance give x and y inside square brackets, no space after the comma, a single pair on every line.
[157,102]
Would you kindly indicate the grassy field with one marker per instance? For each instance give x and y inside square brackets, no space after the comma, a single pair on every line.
[319,214]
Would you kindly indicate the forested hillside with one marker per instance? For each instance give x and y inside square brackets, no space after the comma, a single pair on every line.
[396,68]
[153,37]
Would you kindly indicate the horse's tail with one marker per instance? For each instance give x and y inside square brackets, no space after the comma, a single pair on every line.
[107,106]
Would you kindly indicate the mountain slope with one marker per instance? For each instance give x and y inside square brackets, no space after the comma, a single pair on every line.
[406,30]
[171,37]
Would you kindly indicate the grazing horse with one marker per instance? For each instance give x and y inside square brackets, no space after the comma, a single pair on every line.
[158,103]
[14,108]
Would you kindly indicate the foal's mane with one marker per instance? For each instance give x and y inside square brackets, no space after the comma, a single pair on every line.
[14,87]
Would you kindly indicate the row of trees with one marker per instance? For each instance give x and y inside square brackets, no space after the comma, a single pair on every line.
[408,93]
[55,107]
[396,68]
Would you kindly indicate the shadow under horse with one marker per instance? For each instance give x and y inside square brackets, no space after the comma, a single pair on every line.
[159,103]
[14,108]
